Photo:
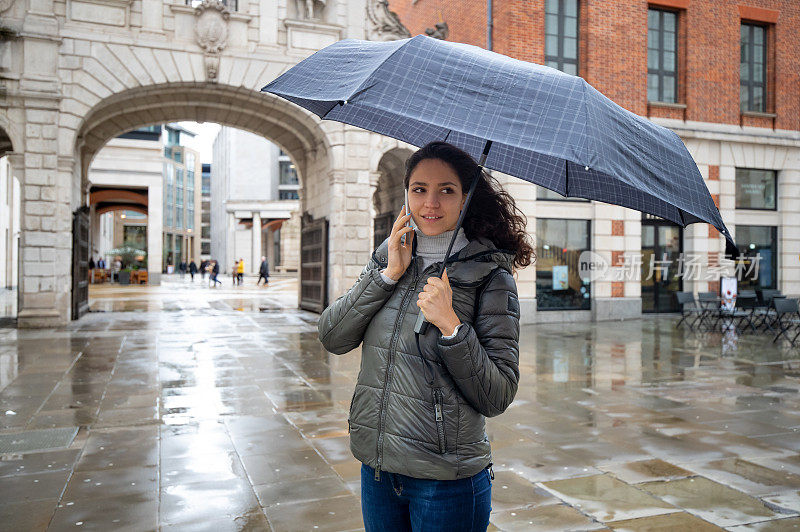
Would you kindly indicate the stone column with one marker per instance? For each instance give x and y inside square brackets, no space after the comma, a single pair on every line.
[789,244]
[227,261]
[524,195]
[255,263]
[155,230]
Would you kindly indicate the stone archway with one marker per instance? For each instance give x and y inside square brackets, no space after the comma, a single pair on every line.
[328,175]
[388,197]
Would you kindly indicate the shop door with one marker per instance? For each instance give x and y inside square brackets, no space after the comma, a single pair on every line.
[662,245]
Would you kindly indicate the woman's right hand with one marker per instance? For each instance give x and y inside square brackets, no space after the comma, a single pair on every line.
[399,254]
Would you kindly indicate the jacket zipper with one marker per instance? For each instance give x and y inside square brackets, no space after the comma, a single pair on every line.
[438,406]
[390,366]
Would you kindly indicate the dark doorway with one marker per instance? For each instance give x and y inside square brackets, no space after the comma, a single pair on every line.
[80,262]
[662,245]
[313,264]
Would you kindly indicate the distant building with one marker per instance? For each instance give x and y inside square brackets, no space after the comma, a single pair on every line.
[182,188]
[254,203]
[205,213]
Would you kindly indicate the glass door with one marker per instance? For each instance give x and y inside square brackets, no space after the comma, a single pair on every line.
[661,249]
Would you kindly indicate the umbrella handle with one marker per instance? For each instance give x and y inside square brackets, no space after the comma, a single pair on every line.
[421,325]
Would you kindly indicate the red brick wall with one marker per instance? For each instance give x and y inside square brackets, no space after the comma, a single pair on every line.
[613,54]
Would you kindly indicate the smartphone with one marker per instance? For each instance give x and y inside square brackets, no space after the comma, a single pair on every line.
[408,223]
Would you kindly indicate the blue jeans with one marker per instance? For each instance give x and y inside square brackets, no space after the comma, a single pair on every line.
[400,503]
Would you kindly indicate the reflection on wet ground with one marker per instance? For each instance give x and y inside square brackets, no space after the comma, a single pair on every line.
[218,409]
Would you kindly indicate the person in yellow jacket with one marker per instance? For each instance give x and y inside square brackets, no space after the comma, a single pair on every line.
[240,271]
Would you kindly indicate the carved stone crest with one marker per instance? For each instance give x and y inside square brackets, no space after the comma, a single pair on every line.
[211,32]
[386,25]
[5,4]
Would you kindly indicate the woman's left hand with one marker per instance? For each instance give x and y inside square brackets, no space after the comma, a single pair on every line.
[436,303]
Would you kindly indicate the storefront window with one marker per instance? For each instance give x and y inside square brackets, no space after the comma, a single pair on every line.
[759,244]
[559,244]
[755,189]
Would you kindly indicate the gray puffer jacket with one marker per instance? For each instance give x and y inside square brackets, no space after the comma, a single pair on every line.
[405,418]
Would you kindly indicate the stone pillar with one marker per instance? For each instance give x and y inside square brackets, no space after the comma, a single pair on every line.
[255,263]
[46,235]
[524,195]
[227,261]
[155,230]
[789,244]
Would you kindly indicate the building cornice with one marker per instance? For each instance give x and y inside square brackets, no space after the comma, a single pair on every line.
[730,133]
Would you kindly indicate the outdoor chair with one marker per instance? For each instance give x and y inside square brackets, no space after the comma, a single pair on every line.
[709,303]
[742,313]
[765,314]
[689,309]
[787,319]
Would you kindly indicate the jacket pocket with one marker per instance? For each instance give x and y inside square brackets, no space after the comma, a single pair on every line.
[438,408]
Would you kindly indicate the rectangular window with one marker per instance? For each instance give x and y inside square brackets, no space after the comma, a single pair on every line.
[753,68]
[662,56]
[179,216]
[759,245]
[755,189]
[189,180]
[547,194]
[205,248]
[206,190]
[561,35]
[170,173]
[288,174]
[288,194]
[558,283]
[190,162]
[189,218]
[177,155]
[205,231]
[179,197]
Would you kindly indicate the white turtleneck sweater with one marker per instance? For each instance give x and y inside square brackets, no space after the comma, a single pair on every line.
[432,249]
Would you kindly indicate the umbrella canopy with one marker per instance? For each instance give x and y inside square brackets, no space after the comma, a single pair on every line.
[545,126]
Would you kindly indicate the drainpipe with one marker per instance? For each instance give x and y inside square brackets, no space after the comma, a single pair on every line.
[489,24]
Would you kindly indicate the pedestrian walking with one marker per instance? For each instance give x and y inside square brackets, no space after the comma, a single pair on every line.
[235,272]
[192,269]
[263,272]
[417,414]
[182,268]
[214,273]
[240,271]
[203,268]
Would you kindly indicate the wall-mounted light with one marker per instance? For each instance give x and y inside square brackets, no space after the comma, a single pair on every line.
[122,216]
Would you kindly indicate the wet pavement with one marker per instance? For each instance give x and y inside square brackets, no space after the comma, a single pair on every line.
[182,407]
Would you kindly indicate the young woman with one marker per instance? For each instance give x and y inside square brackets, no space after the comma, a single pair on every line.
[417,415]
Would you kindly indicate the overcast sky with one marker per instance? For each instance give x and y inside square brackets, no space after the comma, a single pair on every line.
[204,141]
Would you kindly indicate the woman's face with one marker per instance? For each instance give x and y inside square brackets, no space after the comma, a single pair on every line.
[435,196]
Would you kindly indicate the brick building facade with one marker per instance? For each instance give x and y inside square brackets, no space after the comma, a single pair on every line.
[698,67]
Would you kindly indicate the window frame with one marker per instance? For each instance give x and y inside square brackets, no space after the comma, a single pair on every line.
[588,222]
[751,84]
[559,58]
[736,190]
[660,72]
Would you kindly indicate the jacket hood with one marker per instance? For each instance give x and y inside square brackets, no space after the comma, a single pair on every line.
[469,266]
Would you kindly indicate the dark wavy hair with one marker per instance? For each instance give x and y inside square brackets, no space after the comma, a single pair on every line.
[492,212]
